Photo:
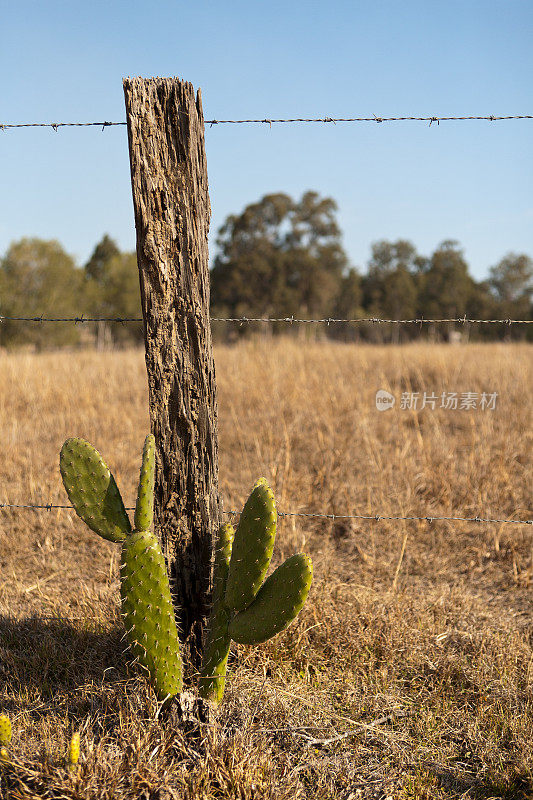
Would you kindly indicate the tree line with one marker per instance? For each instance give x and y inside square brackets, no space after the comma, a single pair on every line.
[283,257]
[37,277]
[279,257]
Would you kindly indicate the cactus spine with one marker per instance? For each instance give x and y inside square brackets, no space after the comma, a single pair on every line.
[145,593]
[250,610]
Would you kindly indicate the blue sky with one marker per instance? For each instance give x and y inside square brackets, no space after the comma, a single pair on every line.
[470,181]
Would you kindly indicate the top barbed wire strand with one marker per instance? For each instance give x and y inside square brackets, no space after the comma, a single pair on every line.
[430,120]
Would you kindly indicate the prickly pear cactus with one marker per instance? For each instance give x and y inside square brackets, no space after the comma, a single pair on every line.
[148,613]
[144,588]
[92,490]
[145,592]
[144,508]
[246,607]
[252,547]
[278,602]
[216,651]
[248,610]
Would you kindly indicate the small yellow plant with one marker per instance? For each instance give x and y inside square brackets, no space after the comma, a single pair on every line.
[5,736]
[5,730]
[74,752]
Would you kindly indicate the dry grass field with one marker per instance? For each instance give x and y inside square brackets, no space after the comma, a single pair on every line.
[409,673]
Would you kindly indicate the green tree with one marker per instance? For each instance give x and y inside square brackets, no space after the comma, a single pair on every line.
[446,287]
[105,250]
[38,277]
[96,272]
[390,288]
[112,290]
[279,257]
[348,306]
[121,297]
[482,305]
[511,284]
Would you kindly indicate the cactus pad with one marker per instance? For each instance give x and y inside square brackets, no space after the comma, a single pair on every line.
[144,509]
[252,547]
[278,602]
[5,729]
[215,659]
[92,490]
[148,612]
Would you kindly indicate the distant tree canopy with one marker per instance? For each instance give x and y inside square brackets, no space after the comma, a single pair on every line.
[279,258]
[282,257]
[112,290]
[511,285]
[38,277]
[390,288]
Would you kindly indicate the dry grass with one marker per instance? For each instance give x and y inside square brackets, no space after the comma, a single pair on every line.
[408,674]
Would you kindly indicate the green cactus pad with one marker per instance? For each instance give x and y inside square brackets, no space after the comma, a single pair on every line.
[148,612]
[252,547]
[216,651]
[144,509]
[278,602]
[92,490]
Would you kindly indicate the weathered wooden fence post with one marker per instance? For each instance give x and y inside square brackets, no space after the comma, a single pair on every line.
[172,212]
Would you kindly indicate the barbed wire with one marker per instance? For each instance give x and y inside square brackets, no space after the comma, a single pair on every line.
[374,118]
[334,320]
[289,320]
[56,125]
[311,514]
[271,121]
[80,319]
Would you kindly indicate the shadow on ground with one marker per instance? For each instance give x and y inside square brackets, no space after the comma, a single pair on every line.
[455,785]
[49,661]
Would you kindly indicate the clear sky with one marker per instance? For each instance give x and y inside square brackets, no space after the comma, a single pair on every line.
[470,181]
